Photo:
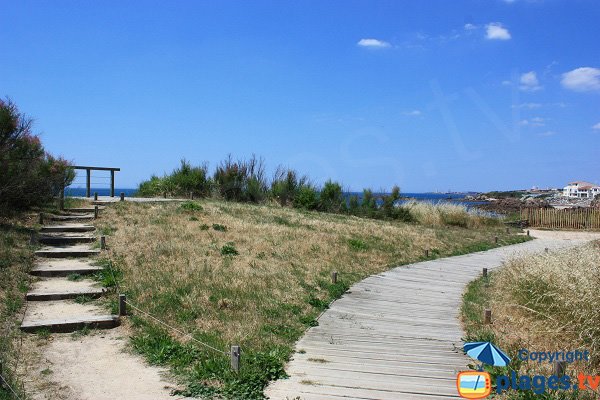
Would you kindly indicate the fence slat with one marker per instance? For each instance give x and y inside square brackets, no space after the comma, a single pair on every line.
[574,218]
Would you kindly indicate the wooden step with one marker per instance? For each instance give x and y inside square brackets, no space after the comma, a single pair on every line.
[72,324]
[83,209]
[65,238]
[68,228]
[62,289]
[58,267]
[75,217]
[67,251]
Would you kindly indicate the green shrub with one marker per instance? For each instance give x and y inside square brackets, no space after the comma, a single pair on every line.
[29,176]
[242,180]
[331,198]
[306,197]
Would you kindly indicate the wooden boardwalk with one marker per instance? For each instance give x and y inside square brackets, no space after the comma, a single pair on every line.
[395,335]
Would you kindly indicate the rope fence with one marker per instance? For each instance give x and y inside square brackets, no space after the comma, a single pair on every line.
[235,352]
[5,384]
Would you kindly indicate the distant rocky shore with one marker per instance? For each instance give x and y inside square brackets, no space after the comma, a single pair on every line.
[511,202]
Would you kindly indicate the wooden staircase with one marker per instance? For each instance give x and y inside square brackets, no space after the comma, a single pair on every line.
[64,297]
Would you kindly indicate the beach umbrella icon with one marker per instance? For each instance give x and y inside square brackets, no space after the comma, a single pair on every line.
[487,353]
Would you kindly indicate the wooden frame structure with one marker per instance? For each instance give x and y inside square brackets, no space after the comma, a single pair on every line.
[89,170]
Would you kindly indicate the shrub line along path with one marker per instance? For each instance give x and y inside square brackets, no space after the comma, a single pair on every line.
[397,335]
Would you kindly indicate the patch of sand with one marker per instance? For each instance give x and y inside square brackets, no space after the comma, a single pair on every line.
[564,235]
[94,367]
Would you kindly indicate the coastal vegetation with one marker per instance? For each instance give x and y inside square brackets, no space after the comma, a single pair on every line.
[245,181]
[29,176]
[258,275]
[16,259]
[544,302]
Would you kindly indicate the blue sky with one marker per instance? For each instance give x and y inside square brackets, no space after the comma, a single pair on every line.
[429,95]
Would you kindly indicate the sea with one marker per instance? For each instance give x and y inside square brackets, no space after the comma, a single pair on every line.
[435,198]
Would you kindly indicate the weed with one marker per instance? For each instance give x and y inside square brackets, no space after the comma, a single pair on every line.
[204,227]
[219,228]
[75,277]
[193,218]
[191,206]
[357,244]
[229,250]
[83,299]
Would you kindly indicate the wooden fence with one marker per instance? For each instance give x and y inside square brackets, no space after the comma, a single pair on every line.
[569,218]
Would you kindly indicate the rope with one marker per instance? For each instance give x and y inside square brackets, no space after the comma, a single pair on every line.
[185,335]
[10,388]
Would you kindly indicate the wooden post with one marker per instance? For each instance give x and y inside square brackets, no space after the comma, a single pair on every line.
[426,253]
[487,316]
[88,182]
[122,196]
[41,219]
[334,277]
[496,239]
[485,273]
[103,242]
[61,198]
[528,232]
[112,183]
[32,239]
[95,196]
[122,305]
[559,368]
[165,195]
[95,212]
[235,358]
[191,195]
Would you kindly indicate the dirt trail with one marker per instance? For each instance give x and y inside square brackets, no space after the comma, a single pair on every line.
[92,367]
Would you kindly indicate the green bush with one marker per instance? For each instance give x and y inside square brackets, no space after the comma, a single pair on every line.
[306,198]
[242,180]
[29,176]
[331,198]
[180,182]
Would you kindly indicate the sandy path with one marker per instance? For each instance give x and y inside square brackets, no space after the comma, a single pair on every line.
[93,367]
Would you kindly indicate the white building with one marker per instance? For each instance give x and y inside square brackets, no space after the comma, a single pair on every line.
[581,189]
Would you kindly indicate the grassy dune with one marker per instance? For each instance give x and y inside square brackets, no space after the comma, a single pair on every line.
[546,302]
[254,275]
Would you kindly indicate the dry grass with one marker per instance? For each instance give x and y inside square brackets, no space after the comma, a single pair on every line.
[551,302]
[441,214]
[176,266]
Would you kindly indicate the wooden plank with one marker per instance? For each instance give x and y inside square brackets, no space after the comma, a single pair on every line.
[383,337]
[72,324]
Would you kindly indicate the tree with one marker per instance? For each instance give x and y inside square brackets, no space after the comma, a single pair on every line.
[29,176]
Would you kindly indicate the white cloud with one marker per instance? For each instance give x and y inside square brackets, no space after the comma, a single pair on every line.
[495,31]
[582,79]
[413,113]
[547,133]
[535,121]
[470,27]
[596,127]
[529,82]
[373,43]
[530,106]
